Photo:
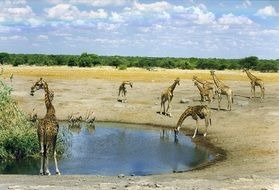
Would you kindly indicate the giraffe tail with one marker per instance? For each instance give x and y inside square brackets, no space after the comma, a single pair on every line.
[232,97]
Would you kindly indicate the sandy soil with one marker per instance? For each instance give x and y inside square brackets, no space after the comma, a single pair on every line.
[248,135]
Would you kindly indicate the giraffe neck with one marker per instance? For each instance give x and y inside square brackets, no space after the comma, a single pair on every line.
[199,81]
[200,87]
[251,77]
[186,113]
[172,87]
[216,81]
[49,106]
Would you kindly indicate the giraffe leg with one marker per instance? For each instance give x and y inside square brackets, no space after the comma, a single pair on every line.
[42,158]
[196,130]
[46,162]
[254,91]
[169,105]
[56,165]
[206,125]
[251,91]
[228,98]
[219,101]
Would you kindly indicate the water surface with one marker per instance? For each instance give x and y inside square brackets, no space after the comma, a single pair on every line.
[114,148]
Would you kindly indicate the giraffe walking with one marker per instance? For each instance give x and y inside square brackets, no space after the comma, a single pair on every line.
[222,89]
[255,81]
[204,92]
[167,95]
[197,112]
[47,128]
[123,90]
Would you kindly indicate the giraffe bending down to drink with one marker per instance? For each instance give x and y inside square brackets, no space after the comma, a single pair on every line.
[197,112]
[167,95]
[204,92]
[222,89]
[47,128]
[255,81]
[123,90]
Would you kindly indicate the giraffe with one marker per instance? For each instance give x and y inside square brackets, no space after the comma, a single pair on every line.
[197,112]
[47,128]
[222,89]
[123,90]
[204,92]
[167,95]
[255,81]
[75,119]
[206,84]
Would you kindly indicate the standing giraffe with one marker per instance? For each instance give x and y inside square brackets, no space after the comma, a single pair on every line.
[204,92]
[123,90]
[222,89]
[197,112]
[255,81]
[206,84]
[47,128]
[167,95]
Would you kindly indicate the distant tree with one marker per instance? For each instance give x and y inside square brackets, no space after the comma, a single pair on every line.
[85,60]
[19,60]
[4,58]
[72,62]
[249,62]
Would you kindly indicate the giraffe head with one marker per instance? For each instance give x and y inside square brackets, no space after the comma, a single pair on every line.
[194,78]
[177,80]
[131,84]
[37,86]
[212,72]
[196,83]
[244,70]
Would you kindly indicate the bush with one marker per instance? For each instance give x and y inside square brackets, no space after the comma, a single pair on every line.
[18,138]
[122,67]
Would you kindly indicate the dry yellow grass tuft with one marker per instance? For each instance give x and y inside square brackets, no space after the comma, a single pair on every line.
[134,74]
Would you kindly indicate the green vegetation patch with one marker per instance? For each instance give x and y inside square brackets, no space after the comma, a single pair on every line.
[120,62]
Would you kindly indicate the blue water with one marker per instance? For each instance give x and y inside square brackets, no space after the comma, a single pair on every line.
[114,148]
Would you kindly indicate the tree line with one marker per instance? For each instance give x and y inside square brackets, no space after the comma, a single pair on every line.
[122,62]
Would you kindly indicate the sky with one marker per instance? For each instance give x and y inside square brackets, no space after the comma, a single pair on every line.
[167,28]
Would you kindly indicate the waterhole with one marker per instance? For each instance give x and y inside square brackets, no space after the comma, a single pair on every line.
[113,148]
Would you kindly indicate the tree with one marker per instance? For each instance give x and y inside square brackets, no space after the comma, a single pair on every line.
[3,57]
[249,62]
[85,60]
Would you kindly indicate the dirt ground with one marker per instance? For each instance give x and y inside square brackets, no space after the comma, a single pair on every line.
[248,134]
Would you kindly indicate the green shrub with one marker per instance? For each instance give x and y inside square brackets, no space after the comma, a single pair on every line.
[18,138]
[122,67]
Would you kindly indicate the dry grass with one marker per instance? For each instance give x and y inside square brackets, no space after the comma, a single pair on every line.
[134,74]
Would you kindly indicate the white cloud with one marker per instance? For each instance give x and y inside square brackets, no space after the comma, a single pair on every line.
[101,3]
[42,37]
[94,3]
[230,19]
[115,17]
[15,37]
[267,11]
[70,12]
[107,26]
[152,7]
[16,13]
[245,4]
[7,29]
